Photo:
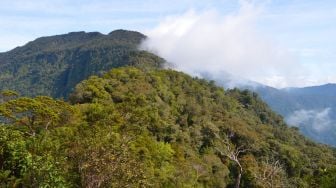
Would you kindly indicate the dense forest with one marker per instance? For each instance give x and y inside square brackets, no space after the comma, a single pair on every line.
[54,65]
[149,127]
[92,110]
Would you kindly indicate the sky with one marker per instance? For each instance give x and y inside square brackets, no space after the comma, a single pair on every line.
[280,43]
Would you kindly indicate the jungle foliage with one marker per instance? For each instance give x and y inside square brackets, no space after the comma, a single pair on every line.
[54,65]
[143,127]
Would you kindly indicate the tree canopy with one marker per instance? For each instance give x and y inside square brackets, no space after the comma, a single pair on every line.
[140,127]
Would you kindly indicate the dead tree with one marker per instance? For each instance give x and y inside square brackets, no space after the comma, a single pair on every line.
[271,174]
[232,153]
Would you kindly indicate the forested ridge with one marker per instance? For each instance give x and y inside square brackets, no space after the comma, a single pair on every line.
[92,110]
[54,65]
[148,127]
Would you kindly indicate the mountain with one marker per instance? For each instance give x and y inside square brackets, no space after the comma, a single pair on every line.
[326,90]
[312,109]
[149,127]
[54,65]
[316,97]
[129,123]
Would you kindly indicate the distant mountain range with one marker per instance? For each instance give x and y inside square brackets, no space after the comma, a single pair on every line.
[312,109]
[54,65]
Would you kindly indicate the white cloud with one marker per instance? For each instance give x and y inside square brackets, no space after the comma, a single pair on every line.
[316,120]
[228,38]
[209,42]
[250,42]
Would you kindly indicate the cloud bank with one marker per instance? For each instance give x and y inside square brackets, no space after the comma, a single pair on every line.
[317,124]
[208,42]
[319,120]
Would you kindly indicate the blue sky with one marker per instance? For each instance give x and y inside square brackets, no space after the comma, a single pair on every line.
[23,20]
[306,28]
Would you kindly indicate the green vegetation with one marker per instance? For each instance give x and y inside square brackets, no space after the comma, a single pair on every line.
[54,65]
[144,127]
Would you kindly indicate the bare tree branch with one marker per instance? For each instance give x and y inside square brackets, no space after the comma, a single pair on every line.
[233,154]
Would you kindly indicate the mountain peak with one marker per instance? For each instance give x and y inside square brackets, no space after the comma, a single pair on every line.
[53,65]
[121,33]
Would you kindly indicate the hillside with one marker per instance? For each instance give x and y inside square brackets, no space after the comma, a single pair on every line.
[54,65]
[155,128]
[292,99]
[327,90]
[312,109]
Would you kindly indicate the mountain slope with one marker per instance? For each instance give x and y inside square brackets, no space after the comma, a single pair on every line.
[316,97]
[54,65]
[155,128]
[327,90]
[312,109]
